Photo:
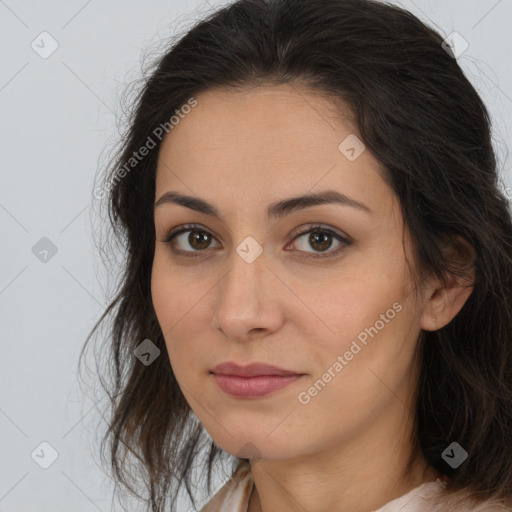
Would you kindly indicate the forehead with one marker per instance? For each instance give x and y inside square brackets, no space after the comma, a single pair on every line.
[258,120]
[266,141]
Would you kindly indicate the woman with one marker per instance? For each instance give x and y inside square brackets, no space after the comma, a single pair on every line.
[318,283]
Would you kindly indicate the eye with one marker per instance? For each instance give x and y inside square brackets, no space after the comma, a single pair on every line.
[320,239]
[197,238]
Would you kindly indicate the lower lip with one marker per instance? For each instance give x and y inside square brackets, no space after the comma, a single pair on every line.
[253,387]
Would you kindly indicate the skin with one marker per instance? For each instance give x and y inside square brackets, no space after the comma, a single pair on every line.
[347,448]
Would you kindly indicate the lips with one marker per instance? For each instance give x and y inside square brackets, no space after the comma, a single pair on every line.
[252,381]
[250,370]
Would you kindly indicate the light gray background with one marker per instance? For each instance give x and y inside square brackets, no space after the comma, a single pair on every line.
[58,118]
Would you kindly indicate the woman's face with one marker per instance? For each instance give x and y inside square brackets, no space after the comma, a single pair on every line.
[333,305]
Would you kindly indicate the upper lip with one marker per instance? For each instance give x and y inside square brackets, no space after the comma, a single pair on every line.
[250,370]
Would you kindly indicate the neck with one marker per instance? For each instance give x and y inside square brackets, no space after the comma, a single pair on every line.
[342,477]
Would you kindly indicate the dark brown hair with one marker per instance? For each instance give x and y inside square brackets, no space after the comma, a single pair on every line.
[427,126]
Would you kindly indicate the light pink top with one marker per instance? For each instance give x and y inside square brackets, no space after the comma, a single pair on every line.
[235,494]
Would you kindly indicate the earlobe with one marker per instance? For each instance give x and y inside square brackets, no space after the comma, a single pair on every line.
[444,305]
[433,310]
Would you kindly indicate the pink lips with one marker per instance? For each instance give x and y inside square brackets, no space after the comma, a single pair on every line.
[252,381]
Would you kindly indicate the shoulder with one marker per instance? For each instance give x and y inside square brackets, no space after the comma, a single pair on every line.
[429,497]
[433,497]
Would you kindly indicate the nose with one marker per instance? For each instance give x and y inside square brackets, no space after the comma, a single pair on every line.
[248,301]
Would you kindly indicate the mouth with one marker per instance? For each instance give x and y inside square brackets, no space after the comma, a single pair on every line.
[251,370]
[252,381]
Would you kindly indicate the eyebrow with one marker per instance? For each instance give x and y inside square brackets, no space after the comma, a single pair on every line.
[274,210]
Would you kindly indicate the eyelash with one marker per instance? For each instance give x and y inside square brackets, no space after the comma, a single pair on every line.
[316,228]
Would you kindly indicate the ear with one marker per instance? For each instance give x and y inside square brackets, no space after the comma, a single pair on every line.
[443,300]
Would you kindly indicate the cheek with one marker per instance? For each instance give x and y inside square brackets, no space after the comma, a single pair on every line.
[358,374]
[179,308]
[173,297]
[162,299]
[340,310]
[365,321]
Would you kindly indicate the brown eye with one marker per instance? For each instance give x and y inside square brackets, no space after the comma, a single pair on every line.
[197,240]
[190,240]
[320,239]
